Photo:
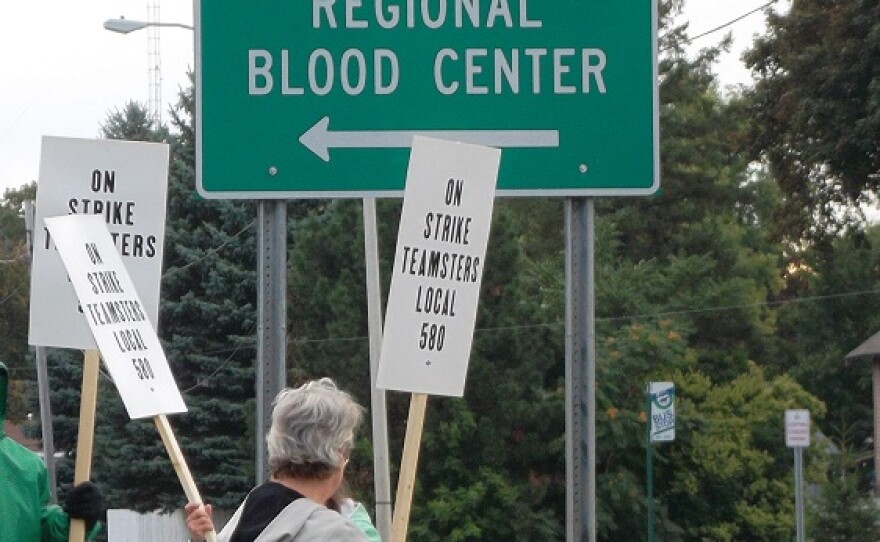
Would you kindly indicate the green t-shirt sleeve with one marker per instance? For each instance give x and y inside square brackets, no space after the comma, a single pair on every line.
[55,524]
[53,521]
[362,520]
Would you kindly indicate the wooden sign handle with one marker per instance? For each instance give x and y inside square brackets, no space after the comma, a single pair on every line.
[408,464]
[86,436]
[180,466]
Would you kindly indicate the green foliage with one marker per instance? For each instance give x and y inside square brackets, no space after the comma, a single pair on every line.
[702,241]
[500,427]
[14,289]
[327,310]
[842,513]
[842,284]
[815,111]
[327,295]
[509,428]
[691,286]
[207,323]
[727,474]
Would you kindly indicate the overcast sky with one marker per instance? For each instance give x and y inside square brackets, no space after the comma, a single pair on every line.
[61,73]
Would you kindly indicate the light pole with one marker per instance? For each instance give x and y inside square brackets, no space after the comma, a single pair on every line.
[271,294]
[124,26]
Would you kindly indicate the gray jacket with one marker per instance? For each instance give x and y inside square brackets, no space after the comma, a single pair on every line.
[303,520]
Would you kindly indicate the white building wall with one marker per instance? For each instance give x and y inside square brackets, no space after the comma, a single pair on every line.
[130,526]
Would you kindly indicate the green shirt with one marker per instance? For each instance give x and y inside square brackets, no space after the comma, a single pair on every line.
[26,515]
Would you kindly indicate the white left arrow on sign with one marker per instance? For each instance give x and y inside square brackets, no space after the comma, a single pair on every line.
[319,139]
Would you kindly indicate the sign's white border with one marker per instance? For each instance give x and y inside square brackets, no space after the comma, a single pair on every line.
[137,196]
[446,217]
[293,194]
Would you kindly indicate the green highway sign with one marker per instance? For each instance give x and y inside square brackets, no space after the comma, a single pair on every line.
[321,98]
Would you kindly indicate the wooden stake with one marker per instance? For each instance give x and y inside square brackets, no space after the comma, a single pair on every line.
[408,464]
[86,437]
[180,466]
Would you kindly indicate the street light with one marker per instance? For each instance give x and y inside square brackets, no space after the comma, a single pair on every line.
[124,26]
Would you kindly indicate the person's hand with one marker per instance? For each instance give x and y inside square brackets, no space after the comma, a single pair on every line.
[85,501]
[198,519]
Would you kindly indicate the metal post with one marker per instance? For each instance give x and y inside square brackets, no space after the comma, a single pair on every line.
[876,387]
[580,377]
[271,318]
[799,492]
[42,377]
[378,410]
[649,461]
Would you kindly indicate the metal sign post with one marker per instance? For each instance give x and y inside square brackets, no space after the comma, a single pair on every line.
[797,436]
[580,371]
[799,492]
[649,462]
[47,434]
[271,318]
[660,409]
[378,405]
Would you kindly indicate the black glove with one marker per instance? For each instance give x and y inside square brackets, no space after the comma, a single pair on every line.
[85,501]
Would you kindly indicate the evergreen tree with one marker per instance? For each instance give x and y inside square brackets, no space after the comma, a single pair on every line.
[843,510]
[488,454]
[834,292]
[327,310]
[498,455]
[14,288]
[686,286]
[208,321]
[207,324]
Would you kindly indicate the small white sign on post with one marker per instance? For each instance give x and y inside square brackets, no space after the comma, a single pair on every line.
[438,267]
[797,428]
[662,396]
[116,316]
[123,182]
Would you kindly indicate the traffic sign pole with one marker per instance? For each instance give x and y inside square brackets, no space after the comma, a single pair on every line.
[272,320]
[649,461]
[799,492]
[378,404]
[580,377]
[47,433]
[797,436]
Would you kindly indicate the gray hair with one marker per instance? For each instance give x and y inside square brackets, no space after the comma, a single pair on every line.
[312,431]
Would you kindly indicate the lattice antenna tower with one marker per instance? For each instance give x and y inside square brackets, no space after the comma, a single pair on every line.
[154,62]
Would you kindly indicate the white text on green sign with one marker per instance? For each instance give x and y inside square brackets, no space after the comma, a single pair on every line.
[323,97]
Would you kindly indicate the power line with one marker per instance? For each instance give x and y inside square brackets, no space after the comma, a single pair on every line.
[209,252]
[250,342]
[725,25]
[730,22]
[645,316]
[743,306]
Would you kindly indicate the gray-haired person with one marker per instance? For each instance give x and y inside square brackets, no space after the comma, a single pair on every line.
[309,444]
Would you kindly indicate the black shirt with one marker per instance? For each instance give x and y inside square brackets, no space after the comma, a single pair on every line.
[260,508]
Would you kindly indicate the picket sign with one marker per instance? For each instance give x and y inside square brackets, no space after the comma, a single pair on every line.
[125,338]
[435,286]
[180,466]
[406,481]
[86,437]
